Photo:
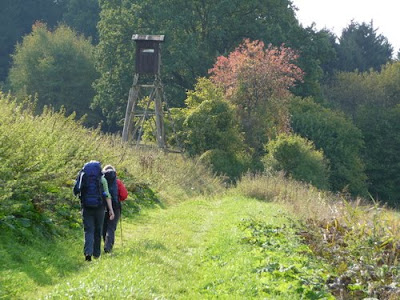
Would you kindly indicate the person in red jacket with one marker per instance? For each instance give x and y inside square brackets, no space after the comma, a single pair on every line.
[118,194]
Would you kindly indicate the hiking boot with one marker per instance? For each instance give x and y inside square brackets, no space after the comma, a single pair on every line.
[88,257]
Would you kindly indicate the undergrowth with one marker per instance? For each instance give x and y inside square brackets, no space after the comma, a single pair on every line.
[360,240]
[286,266]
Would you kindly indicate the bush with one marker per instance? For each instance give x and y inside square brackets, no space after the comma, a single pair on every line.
[210,121]
[225,163]
[298,158]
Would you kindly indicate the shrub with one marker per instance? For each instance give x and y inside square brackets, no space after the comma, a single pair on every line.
[298,158]
[225,163]
[210,121]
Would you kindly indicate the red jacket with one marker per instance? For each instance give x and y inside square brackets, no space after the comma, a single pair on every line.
[122,191]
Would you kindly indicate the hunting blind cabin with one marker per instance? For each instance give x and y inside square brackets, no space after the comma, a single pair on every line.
[147,68]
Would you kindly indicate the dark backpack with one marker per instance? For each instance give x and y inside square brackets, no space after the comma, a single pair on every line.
[88,185]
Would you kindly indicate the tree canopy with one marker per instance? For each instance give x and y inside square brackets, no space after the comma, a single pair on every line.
[362,48]
[59,67]
[18,16]
[196,33]
[16,19]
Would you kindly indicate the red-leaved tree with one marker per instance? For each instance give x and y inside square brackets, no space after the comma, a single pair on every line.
[258,81]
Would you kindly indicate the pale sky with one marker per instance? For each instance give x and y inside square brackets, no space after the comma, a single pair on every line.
[337,14]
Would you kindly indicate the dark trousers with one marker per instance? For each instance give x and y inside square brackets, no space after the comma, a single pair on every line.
[92,224]
[109,228]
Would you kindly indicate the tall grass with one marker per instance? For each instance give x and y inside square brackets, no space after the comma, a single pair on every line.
[304,200]
[359,238]
[40,156]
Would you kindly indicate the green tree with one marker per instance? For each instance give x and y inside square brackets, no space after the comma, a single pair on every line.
[381,130]
[317,58]
[298,158]
[114,61]
[372,100]
[348,91]
[362,48]
[59,67]
[340,140]
[16,19]
[82,16]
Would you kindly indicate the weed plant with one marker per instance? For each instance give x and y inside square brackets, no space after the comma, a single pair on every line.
[358,238]
[285,264]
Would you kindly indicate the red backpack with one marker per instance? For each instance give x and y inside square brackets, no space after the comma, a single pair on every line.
[122,191]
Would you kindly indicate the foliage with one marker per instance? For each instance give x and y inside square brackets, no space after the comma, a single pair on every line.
[285,263]
[362,248]
[359,241]
[381,127]
[361,48]
[210,121]
[114,60]
[41,155]
[341,142]
[82,16]
[298,158]
[317,58]
[350,91]
[371,99]
[59,67]
[347,91]
[224,163]
[34,174]
[207,128]
[196,33]
[16,19]
[257,81]
[388,81]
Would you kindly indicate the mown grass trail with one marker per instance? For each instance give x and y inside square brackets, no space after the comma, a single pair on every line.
[190,251]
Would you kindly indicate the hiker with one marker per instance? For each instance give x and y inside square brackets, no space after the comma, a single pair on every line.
[118,193]
[92,188]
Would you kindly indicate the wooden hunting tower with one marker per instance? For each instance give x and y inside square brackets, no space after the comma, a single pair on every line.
[148,54]
[147,63]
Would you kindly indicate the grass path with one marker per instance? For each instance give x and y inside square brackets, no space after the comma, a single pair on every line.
[189,251]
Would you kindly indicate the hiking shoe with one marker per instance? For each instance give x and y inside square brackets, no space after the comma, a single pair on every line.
[88,257]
